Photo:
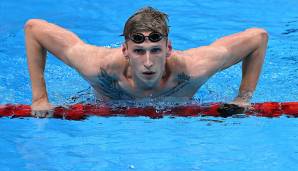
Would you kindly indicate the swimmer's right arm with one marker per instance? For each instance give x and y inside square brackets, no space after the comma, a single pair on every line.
[40,37]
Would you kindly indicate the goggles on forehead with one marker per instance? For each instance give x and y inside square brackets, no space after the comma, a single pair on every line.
[140,38]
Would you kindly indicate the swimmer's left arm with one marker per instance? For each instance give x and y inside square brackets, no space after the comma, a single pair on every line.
[249,47]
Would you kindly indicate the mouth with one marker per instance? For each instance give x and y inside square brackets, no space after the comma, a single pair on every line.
[148,73]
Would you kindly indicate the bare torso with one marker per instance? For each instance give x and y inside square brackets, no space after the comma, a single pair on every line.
[113,80]
[108,71]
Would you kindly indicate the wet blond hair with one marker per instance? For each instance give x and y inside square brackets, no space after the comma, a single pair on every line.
[146,19]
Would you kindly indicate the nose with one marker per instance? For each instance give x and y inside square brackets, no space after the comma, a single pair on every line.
[148,63]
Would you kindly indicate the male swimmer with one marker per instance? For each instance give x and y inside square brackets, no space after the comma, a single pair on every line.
[146,64]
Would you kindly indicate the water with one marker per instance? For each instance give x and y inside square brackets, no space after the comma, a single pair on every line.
[139,143]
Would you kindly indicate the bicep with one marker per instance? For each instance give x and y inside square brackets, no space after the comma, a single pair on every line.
[204,61]
[239,45]
[53,38]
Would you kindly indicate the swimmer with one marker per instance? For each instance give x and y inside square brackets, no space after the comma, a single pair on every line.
[145,65]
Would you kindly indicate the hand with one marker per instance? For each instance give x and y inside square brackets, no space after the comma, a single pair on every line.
[228,109]
[241,103]
[42,108]
[243,99]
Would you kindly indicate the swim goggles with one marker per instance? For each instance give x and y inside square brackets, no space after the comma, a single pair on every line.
[140,38]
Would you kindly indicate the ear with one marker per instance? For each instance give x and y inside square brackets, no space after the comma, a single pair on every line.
[125,50]
[169,48]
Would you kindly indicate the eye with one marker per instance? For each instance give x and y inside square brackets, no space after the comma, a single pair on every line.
[155,50]
[139,51]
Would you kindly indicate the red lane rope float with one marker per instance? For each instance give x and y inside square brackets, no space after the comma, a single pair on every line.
[80,111]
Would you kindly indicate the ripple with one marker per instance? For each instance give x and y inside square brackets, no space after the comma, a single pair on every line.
[290,31]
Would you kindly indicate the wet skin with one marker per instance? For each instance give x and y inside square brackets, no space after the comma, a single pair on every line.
[149,69]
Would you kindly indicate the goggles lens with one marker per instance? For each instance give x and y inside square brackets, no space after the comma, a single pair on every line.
[140,38]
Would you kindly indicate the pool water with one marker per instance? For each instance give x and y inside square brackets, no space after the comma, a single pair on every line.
[140,143]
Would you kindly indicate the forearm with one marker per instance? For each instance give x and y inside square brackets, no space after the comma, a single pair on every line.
[36,58]
[251,69]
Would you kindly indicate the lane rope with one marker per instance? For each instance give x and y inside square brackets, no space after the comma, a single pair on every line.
[81,111]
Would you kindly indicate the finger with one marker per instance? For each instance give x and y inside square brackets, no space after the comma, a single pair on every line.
[227,110]
[49,113]
[37,114]
[42,113]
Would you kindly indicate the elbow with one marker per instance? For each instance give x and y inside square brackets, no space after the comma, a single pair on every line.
[31,24]
[261,34]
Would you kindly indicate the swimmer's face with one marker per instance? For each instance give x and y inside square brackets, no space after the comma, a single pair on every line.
[147,60]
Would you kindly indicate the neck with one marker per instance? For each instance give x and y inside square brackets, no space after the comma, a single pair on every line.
[141,90]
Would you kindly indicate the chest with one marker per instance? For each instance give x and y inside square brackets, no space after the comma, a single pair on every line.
[112,88]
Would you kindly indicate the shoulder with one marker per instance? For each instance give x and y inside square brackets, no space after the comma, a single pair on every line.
[198,62]
[206,52]
[100,58]
[177,61]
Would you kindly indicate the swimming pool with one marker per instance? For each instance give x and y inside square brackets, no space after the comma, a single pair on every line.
[140,143]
